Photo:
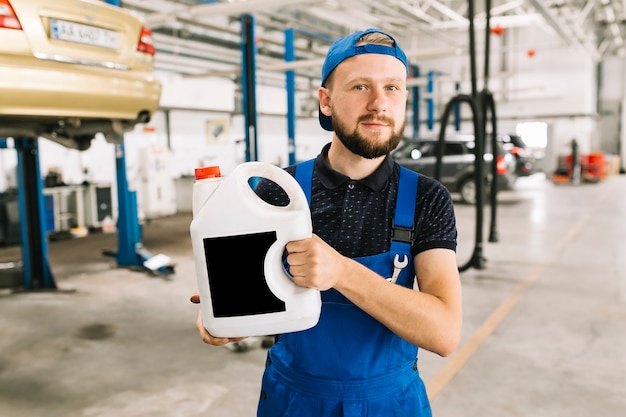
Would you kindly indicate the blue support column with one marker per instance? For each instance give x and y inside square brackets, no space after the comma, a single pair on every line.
[416,94]
[290,56]
[457,109]
[128,228]
[248,80]
[37,273]
[127,220]
[131,252]
[430,101]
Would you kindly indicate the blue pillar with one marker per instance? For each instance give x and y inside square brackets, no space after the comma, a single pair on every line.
[37,273]
[248,80]
[430,101]
[131,252]
[457,109]
[127,218]
[416,93]
[290,56]
[128,228]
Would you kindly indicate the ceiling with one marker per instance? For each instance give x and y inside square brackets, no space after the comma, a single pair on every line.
[202,38]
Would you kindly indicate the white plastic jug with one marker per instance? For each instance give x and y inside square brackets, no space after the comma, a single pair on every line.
[238,242]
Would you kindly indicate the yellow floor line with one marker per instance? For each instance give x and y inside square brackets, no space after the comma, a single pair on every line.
[465,352]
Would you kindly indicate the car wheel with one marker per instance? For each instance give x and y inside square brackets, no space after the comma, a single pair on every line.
[468,191]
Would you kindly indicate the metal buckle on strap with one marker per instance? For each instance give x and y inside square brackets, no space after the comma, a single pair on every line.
[402,234]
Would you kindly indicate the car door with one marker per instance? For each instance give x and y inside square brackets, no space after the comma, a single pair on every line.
[422,157]
[417,156]
[457,163]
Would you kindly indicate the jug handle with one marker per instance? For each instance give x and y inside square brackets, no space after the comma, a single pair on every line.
[282,285]
[247,170]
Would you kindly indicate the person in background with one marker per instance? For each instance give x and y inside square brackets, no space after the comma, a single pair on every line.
[370,217]
[576,166]
[54,178]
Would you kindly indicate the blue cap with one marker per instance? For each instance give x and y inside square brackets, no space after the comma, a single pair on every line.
[344,48]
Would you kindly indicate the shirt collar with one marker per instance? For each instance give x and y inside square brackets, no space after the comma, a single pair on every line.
[331,179]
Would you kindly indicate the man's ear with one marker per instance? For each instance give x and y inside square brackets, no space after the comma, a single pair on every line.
[323,94]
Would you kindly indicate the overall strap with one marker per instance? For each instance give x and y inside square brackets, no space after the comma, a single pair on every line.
[304,176]
[403,229]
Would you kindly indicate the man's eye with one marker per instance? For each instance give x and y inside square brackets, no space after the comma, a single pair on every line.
[359,87]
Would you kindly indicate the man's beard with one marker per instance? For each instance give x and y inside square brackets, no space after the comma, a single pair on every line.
[369,149]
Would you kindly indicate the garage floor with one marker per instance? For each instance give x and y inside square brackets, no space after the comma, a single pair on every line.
[544,322]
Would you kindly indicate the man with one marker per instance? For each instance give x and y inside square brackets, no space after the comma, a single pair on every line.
[361,357]
[576,168]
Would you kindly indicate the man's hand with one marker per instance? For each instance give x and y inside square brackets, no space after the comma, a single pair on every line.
[315,264]
[204,334]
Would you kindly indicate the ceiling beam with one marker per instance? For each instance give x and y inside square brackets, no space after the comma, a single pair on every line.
[226,9]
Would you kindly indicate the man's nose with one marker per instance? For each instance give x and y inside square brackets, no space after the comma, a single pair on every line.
[378,101]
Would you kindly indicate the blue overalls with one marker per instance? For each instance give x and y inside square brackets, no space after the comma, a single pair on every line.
[349,364]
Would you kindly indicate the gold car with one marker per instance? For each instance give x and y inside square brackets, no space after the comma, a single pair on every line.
[72,68]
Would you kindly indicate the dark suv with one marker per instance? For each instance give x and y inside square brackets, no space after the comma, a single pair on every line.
[457,173]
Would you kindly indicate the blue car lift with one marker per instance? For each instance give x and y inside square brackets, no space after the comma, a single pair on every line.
[36,269]
[37,274]
[131,252]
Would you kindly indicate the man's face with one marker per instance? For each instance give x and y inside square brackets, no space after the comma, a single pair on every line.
[368,97]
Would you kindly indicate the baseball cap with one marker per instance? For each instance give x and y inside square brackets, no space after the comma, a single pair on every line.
[346,47]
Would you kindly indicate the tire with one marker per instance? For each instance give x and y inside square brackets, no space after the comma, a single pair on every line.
[467,189]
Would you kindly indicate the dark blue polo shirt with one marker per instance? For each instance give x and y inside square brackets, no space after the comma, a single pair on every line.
[355,217]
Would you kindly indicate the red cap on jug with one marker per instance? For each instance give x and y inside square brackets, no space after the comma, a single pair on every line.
[208,172]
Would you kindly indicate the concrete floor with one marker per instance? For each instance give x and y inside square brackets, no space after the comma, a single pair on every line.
[544,322]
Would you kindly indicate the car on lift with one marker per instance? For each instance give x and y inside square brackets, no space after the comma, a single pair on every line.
[457,173]
[70,69]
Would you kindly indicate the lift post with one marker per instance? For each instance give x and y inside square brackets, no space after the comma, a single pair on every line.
[37,273]
[131,252]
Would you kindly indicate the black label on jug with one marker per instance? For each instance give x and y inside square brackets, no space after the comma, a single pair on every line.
[235,266]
